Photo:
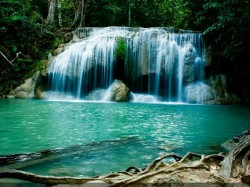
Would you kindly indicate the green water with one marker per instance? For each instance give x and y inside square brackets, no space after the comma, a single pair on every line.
[114,135]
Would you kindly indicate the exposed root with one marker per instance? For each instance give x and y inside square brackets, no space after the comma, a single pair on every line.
[237,161]
[142,176]
[190,155]
[136,169]
[215,169]
[156,161]
[16,174]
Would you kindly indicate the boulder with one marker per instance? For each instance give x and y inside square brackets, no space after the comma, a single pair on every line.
[200,93]
[27,89]
[118,92]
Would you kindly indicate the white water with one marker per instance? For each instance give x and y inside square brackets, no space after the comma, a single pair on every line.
[155,63]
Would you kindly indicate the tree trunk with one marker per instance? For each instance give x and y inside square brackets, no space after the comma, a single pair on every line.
[129,14]
[82,8]
[59,12]
[82,21]
[77,12]
[51,12]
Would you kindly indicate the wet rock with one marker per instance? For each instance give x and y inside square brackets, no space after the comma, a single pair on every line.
[119,92]
[200,93]
[220,84]
[26,90]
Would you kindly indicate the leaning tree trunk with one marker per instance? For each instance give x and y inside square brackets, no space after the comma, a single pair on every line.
[51,12]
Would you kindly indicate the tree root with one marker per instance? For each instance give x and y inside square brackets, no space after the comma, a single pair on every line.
[237,162]
[189,168]
[17,174]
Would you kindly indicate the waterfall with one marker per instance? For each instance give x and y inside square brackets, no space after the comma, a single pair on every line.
[159,63]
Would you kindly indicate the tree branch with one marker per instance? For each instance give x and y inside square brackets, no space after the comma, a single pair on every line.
[11,61]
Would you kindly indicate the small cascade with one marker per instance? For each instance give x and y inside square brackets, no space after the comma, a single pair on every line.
[162,62]
[159,63]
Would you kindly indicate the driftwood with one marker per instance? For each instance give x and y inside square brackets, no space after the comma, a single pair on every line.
[191,168]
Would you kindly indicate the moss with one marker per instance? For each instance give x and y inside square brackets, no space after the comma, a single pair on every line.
[40,65]
[121,49]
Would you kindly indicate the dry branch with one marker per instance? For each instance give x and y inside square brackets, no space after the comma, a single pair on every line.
[11,61]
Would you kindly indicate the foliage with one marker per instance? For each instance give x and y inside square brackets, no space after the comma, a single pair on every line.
[21,31]
[226,26]
[120,50]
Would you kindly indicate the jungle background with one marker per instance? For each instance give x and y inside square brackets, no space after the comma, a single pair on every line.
[31,29]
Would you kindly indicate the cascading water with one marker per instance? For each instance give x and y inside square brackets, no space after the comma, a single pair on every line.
[159,62]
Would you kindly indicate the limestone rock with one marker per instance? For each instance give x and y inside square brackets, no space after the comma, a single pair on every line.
[201,93]
[220,84]
[119,92]
[27,89]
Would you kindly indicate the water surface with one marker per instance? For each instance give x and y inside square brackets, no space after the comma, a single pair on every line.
[113,136]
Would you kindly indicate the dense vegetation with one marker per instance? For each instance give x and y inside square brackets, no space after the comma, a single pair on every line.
[34,27]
